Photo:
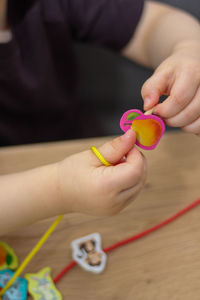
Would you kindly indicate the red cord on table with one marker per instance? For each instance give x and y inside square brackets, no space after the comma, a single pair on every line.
[134,237]
[64,271]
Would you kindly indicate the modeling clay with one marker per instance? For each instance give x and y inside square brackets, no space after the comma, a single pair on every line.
[18,290]
[88,254]
[41,286]
[8,258]
[148,128]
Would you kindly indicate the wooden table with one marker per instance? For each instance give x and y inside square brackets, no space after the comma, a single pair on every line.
[164,265]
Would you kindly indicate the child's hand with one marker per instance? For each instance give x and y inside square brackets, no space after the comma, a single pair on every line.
[178,77]
[80,183]
[87,186]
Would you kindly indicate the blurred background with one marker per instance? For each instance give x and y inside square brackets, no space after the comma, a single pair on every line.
[111,84]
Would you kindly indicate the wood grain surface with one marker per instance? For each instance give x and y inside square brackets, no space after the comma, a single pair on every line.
[164,265]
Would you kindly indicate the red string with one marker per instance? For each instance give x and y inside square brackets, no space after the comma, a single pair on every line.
[64,271]
[135,237]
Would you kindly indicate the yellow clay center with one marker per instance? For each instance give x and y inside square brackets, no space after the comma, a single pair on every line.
[147,131]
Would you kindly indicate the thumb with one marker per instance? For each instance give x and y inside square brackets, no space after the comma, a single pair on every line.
[156,86]
[113,151]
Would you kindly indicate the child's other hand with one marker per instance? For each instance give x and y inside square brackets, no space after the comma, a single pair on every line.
[87,186]
[178,77]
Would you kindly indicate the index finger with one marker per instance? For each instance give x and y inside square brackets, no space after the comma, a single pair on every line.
[181,94]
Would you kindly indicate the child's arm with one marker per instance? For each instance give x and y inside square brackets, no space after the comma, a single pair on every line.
[169,39]
[80,183]
[3,13]
[5,33]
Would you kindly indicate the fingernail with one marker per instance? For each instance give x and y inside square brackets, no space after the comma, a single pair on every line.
[147,102]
